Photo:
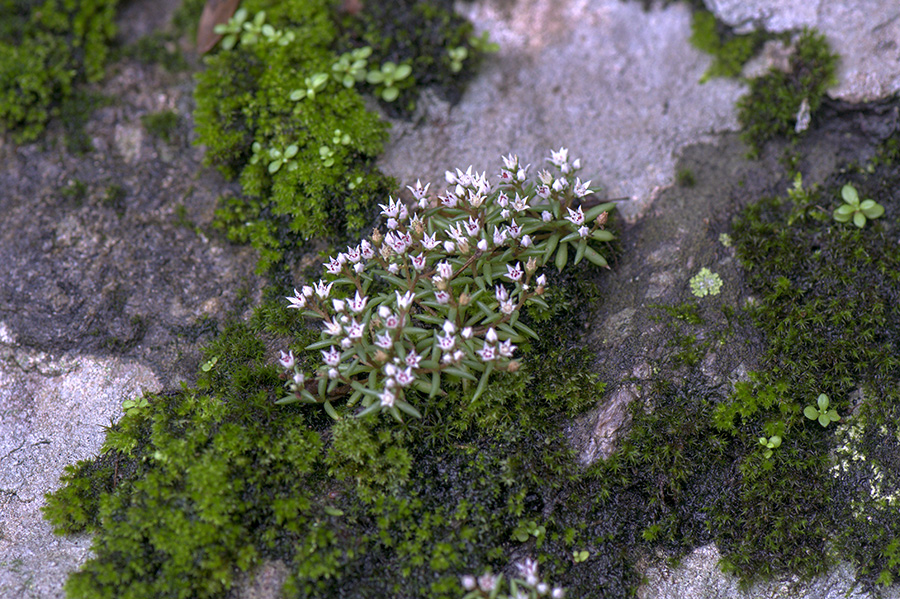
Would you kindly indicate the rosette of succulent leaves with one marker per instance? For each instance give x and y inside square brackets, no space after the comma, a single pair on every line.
[437,292]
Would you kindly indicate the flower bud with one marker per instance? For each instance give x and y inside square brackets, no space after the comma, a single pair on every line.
[463,247]
[601,220]
[380,356]
[464,299]
[531,265]
[513,366]
[377,237]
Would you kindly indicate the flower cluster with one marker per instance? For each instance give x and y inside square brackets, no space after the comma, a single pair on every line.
[528,586]
[437,292]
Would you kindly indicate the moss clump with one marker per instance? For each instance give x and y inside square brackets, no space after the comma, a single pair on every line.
[770,109]
[46,50]
[829,308]
[730,51]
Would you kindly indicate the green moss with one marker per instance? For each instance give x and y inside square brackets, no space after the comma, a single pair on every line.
[730,51]
[771,106]
[46,50]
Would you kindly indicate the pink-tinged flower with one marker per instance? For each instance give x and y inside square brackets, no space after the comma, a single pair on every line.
[466,333]
[358,304]
[387,398]
[299,379]
[405,377]
[419,262]
[514,273]
[359,267]
[394,268]
[581,189]
[392,223]
[404,213]
[430,241]
[514,230]
[472,227]
[413,359]
[501,293]
[405,300]
[298,301]
[526,241]
[392,321]
[366,250]
[499,236]
[506,348]
[449,327]
[418,191]
[354,329]
[338,305]
[384,341]
[353,254]
[504,214]
[307,291]
[332,357]
[528,570]
[323,290]
[543,191]
[333,373]
[447,342]
[576,217]
[445,270]
[286,359]
[519,204]
[503,200]
[584,231]
[333,328]
[334,267]
[449,200]
[491,336]
[487,353]
[346,342]
[506,176]
[546,216]
[392,209]
[441,296]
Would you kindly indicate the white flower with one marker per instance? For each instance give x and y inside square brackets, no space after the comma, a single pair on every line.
[323,290]
[491,336]
[576,217]
[504,214]
[359,267]
[334,266]
[514,272]
[506,348]
[542,588]
[560,184]
[392,209]
[366,250]
[358,304]
[445,270]
[584,231]
[354,329]
[441,296]
[447,342]
[299,379]
[394,268]
[557,593]
[353,254]
[413,359]
[449,247]
[468,581]
[522,174]
[581,189]
[384,340]
[541,280]
[526,241]
[528,570]
[514,230]
[449,200]
[333,373]
[449,327]
[472,227]
[307,291]
[430,242]
[392,321]
[519,204]
[418,191]
[332,357]
[543,191]
[406,300]
[507,307]
[546,216]
[501,293]
[346,342]
[503,200]
[482,245]
[387,398]
[487,582]
[286,359]
[405,377]
[559,158]
[392,223]
[333,328]
[499,236]
[338,305]
[418,262]
[298,301]
[466,333]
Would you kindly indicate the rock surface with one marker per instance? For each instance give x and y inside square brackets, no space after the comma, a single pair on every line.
[111,293]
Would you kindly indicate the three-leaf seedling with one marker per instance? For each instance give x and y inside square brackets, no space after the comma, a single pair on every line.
[773,442]
[856,210]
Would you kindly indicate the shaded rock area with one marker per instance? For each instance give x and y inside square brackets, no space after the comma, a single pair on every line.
[114,278]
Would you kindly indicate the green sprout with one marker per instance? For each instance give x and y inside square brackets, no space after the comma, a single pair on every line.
[457,56]
[351,66]
[822,413]
[313,84]
[340,138]
[327,156]
[580,556]
[386,77]
[705,283]
[773,442]
[853,208]
[131,406]
[279,158]
[483,44]
[233,28]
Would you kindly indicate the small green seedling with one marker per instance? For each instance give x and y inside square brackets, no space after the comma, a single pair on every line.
[350,68]
[822,413]
[853,208]
[457,56]
[327,156]
[484,44]
[526,530]
[386,77]
[208,365]
[580,556]
[773,442]
[313,84]
[131,406]
[279,158]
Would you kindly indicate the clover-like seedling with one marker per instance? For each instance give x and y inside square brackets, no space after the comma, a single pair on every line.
[232,29]
[856,210]
[132,406]
[483,43]
[279,158]
[773,442]
[313,84]
[351,67]
[327,156]
[457,56]
[821,413]
[705,282]
[386,77]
